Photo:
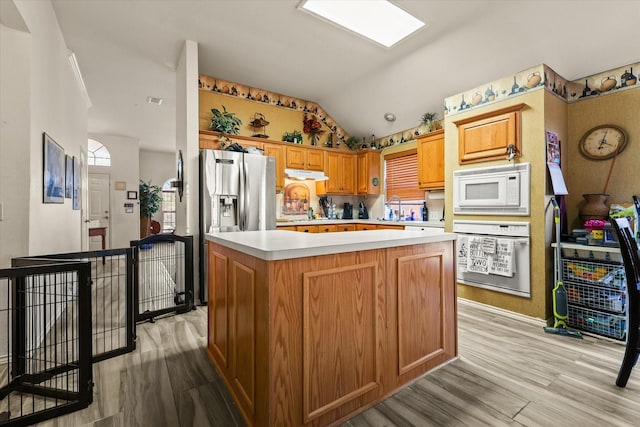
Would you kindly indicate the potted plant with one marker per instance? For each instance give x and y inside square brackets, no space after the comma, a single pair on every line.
[426,121]
[352,143]
[150,199]
[295,137]
[225,122]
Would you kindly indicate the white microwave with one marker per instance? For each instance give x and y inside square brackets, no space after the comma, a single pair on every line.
[497,190]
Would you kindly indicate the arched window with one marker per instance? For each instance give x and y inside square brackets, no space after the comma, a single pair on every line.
[168,207]
[98,154]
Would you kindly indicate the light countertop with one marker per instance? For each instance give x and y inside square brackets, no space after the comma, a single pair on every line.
[436,224]
[274,245]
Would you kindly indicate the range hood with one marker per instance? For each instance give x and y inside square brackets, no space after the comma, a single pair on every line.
[303,174]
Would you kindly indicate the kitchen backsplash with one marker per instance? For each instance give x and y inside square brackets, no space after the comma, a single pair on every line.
[294,201]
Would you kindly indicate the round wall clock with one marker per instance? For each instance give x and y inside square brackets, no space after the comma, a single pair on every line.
[603,142]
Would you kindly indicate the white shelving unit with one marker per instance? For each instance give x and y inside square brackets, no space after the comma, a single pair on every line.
[596,289]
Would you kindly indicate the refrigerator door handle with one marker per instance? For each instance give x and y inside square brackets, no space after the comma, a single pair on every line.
[247,199]
[242,196]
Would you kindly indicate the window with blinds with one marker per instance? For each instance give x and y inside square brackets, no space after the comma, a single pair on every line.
[401,175]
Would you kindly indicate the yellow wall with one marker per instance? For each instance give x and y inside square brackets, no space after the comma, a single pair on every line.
[589,176]
[280,119]
[533,151]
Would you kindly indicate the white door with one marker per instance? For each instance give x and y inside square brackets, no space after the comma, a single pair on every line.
[99,209]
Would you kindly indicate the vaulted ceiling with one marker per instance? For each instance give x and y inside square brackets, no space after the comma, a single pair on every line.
[127,51]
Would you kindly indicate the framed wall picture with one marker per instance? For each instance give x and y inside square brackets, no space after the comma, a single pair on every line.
[53,171]
[132,195]
[76,184]
[68,176]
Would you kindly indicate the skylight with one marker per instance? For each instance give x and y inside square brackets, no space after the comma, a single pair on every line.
[377,20]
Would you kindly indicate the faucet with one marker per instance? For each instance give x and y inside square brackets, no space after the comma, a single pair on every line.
[394,198]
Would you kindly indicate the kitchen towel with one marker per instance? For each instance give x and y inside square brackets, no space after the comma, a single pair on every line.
[478,260]
[463,249]
[502,260]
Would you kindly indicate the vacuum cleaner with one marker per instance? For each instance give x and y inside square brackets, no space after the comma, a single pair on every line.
[560,301]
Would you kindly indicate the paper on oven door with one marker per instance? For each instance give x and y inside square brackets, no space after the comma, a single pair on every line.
[503,260]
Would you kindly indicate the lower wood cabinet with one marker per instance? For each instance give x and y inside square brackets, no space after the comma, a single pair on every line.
[389,227]
[310,341]
[328,228]
[346,227]
[307,228]
[364,227]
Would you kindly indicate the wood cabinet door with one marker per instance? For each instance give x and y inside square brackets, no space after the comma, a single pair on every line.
[342,335]
[422,309]
[340,168]
[487,136]
[368,166]
[315,160]
[328,228]
[431,161]
[333,184]
[218,308]
[348,166]
[296,157]
[279,153]
[346,227]
[364,227]
[389,227]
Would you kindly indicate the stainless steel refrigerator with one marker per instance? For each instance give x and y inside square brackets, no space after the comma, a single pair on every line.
[237,193]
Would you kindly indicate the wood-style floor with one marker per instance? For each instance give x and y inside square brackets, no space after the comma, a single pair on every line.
[509,373]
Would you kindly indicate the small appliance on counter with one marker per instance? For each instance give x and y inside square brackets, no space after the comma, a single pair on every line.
[362,211]
[347,212]
[324,204]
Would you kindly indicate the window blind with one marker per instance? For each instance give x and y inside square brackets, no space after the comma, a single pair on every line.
[401,175]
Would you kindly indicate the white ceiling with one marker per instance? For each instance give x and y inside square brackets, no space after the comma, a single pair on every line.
[127,50]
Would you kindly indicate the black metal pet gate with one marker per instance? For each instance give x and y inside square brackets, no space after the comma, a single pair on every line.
[164,274]
[45,366]
[47,301]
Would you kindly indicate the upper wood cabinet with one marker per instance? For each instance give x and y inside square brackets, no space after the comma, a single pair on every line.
[341,170]
[431,160]
[304,158]
[487,136]
[368,172]
[279,152]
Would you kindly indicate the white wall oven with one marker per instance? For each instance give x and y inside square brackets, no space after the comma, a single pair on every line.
[494,255]
[497,190]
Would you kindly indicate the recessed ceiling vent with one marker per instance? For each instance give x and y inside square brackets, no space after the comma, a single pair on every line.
[154,100]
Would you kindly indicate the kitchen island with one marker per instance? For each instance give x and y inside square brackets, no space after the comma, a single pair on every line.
[310,329]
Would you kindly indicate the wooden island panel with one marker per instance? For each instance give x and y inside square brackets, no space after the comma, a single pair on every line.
[425,308]
[340,336]
[331,334]
[218,308]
